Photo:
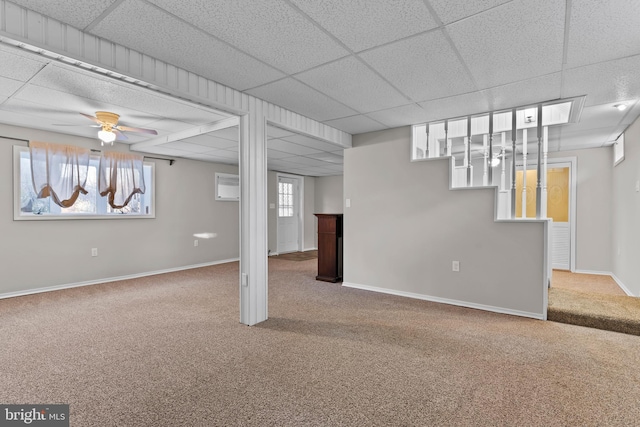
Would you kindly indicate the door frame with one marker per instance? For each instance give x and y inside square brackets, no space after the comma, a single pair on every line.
[300,181]
[572,162]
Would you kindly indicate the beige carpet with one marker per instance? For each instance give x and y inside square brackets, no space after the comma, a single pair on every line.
[594,301]
[298,256]
[168,351]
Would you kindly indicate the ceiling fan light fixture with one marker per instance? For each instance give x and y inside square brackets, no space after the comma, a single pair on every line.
[107,137]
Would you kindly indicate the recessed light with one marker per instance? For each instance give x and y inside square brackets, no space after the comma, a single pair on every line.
[621,107]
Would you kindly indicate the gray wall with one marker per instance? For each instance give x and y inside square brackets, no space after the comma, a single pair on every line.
[626,213]
[329,190]
[37,254]
[593,210]
[405,227]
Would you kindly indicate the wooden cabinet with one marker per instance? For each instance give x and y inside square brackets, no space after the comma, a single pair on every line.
[329,247]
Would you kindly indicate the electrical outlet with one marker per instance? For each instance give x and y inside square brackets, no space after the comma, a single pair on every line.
[455,266]
[195,243]
[94,251]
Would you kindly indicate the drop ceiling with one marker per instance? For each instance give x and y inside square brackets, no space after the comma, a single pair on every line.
[359,66]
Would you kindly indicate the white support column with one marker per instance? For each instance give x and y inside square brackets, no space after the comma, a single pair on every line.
[253,216]
[545,150]
[503,174]
[485,176]
[524,173]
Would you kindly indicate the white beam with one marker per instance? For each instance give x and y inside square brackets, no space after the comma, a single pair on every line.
[187,133]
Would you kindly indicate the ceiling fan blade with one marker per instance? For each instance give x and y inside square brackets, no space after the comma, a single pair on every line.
[91,118]
[83,126]
[138,130]
[119,135]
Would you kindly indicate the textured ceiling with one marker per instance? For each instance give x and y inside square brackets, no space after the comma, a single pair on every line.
[358,65]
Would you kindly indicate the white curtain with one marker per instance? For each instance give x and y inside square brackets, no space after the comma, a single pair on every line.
[121,176]
[59,171]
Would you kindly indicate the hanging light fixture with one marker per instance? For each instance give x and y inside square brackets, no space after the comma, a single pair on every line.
[106,135]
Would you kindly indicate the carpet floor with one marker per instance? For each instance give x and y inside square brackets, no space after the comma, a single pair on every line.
[298,256]
[594,301]
[168,350]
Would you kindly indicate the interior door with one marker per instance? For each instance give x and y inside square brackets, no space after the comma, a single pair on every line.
[558,208]
[288,214]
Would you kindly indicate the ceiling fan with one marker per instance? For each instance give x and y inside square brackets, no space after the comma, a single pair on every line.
[111,130]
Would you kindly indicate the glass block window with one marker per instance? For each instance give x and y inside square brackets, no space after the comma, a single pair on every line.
[285,199]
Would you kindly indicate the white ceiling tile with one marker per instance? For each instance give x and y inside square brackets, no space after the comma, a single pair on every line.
[449,11]
[306,161]
[295,96]
[356,124]
[261,29]
[164,150]
[604,83]
[224,154]
[354,84]
[283,164]
[18,67]
[9,86]
[104,90]
[187,146]
[597,117]
[230,133]
[330,158]
[513,42]
[275,154]
[361,24]
[78,14]
[211,159]
[310,142]
[213,142]
[456,106]
[601,31]
[290,147]
[167,125]
[17,118]
[525,92]
[145,28]
[276,132]
[423,67]
[400,116]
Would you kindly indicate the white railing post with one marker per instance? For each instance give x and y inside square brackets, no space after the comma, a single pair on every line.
[503,177]
[490,155]
[539,165]
[545,150]
[485,177]
[524,173]
[514,134]
[468,151]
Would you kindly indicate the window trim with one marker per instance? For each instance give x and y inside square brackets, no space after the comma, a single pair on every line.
[20,216]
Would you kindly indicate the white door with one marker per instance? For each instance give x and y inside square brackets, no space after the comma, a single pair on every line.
[288,214]
[559,206]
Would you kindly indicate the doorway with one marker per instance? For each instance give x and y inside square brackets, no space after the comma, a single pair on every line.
[559,206]
[289,213]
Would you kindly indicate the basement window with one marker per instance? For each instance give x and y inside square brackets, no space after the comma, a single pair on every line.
[27,206]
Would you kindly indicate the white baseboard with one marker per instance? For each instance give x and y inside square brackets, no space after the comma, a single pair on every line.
[622,286]
[111,279]
[595,272]
[274,254]
[613,276]
[538,316]
[309,249]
